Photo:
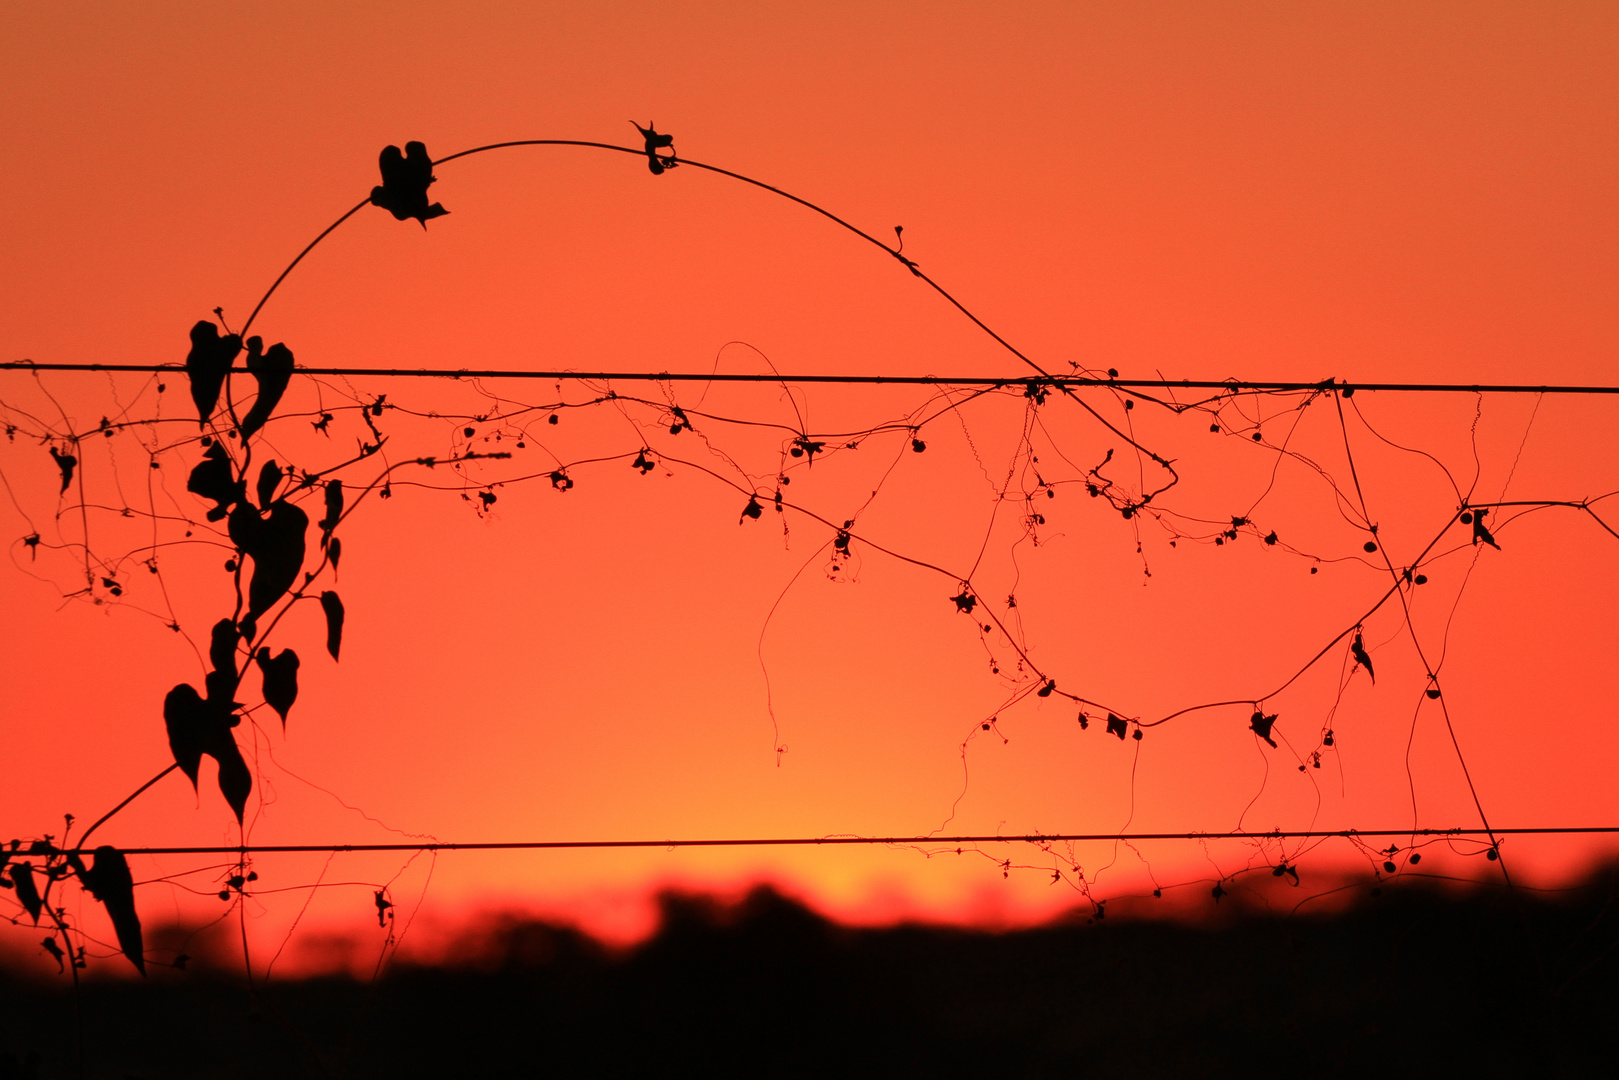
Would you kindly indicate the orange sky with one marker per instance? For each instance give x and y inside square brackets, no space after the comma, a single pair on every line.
[1378,192]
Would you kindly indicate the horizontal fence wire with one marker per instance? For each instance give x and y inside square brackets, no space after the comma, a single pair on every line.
[817,841]
[899,380]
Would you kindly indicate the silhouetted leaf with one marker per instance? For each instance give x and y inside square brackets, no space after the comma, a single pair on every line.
[654,143]
[280,680]
[207,365]
[222,646]
[187,718]
[269,479]
[197,727]
[1480,533]
[272,370]
[235,782]
[110,882]
[803,447]
[1260,723]
[1117,726]
[246,526]
[752,510]
[214,479]
[405,178]
[333,607]
[55,950]
[334,511]
[276,544]
[1358,647]
[965,601]
[334,551]
[383,906]
[22,876]
[221,681]
[64,462]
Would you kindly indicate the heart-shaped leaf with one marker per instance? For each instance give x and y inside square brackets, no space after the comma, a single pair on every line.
[278,554]
[280,681]
[110,882]
[272,370]
[235,781]
[197,727]
[405,178]
[214,479]
[207,365]
[187,717]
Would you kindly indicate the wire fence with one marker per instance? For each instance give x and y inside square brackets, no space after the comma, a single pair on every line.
[225,477]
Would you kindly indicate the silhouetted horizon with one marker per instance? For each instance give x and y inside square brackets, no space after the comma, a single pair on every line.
[1407,973]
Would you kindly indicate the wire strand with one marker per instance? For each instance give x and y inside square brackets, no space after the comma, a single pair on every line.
[819,841]
[897,380]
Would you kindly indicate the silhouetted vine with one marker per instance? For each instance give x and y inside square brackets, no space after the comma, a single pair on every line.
[1078,433]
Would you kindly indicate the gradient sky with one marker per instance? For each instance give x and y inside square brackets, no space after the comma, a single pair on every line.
[1369,192]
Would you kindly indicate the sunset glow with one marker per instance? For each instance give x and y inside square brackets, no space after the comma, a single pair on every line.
[1369,193]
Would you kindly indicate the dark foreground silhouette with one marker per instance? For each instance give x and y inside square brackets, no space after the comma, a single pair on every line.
[1410,980]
